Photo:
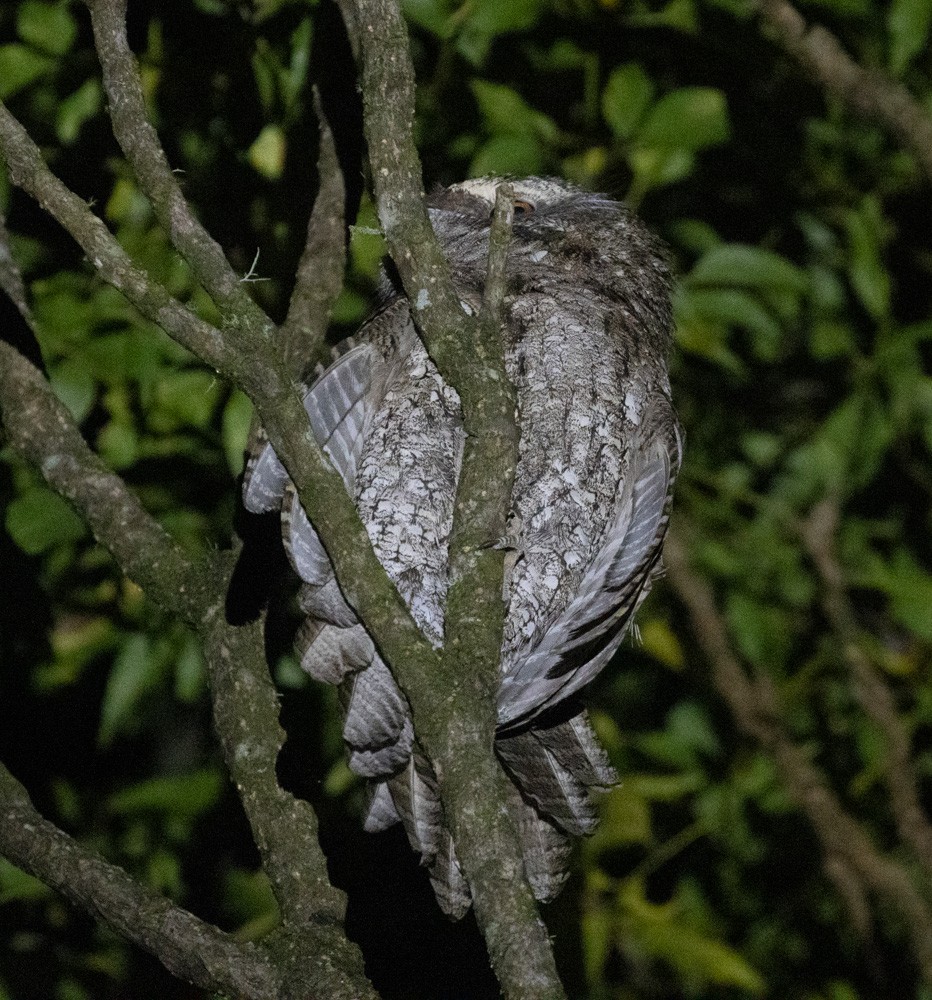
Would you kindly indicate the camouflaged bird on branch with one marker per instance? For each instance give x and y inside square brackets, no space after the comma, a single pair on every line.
[587,329]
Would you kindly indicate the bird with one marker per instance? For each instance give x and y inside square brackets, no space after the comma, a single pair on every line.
[586,332]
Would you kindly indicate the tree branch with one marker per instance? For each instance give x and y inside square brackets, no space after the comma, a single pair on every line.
[458,734]
[41,429]
[868,91]
[320,487]
[28,171]
[438,694]
[11,281]
[380,38]
[320,271]
[323,495]
[190,949]
[872,692]
[754,707]
[244,699]
[141,146]
[319,959]
[317,956]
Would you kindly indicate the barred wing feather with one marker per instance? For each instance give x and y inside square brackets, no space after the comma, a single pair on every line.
[589,630]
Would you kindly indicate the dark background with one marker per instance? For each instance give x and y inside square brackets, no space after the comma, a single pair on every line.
[800,233]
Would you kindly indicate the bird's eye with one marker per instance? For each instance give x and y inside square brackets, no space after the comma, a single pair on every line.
[523,207]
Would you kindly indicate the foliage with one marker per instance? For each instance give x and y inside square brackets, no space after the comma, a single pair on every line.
[799,231]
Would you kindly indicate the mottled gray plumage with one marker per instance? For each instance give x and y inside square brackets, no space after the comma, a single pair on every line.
[587,330]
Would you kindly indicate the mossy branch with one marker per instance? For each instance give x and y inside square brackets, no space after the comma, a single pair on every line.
[190,949]
[440,690]
[458,734]
[312,948]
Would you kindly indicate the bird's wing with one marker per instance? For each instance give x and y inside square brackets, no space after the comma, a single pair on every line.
[557,767]
[588,631]
[336,405]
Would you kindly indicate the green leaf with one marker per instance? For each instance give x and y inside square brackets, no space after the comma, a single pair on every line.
[761,447]
[691,118]
[689,724]
[507,113]
[49,27]
[40,519]
[77,108]
[190,794]
[367,242]
[664,787]
[236,421]
[163,873]
[129,354]
[829,339]
[661,642]
[853,441]
[267,153]
[625,99]
[869,276]
[737,308]
[760,628]
[184,399]
[695,235]
[700,957]
[597,941]
[663,933]
[908,22]
[702,336]
[432,15]
[911,595]
[131,676]
[294,80]
[16,885]
[265,74]
[488,20]
[753,267]
[247,895]
[743,10]
[492,17]
[520,155]
[586,167]
[624,819]
[19,67]
[656,167]
[118,444]
[677,14]
[190,674]
[74,386]
[562,55]
[339,779]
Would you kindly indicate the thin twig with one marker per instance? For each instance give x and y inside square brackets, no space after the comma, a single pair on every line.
[493,295]
[868,91]
[387,79]
[28,171]
[140,144]
[872,691]
[320,271]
